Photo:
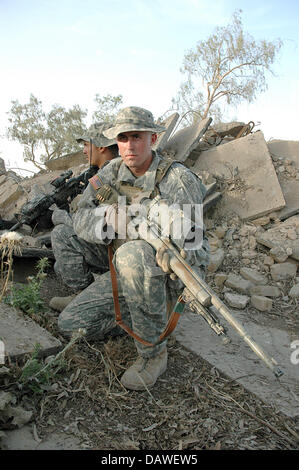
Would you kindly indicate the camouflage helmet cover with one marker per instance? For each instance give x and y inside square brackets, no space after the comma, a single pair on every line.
[133,118]
[95,132]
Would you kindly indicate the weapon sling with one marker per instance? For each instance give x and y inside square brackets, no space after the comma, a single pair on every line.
[173,319]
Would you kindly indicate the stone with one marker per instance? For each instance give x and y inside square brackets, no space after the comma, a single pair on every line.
[294,292]
[261,221]
[283,271]
[238,284]
[252,275]
[277,237]
[10,191]
[249,254]
[265,291]
[256,191]
[216,260]
[236,300]
[185,140]
[263,304]
[169,123]
[237,361]
[219,279]
[278,254]
[20,334]
[66,161]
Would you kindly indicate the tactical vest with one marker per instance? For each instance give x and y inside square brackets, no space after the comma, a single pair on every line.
[107,194]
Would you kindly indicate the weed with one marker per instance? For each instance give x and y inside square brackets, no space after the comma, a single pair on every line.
[28,297]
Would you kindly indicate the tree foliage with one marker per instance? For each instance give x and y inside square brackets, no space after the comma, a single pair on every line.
[45,136]
[229,65]
[107,108]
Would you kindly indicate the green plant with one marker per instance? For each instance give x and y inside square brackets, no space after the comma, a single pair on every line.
[28,297]
[38,375]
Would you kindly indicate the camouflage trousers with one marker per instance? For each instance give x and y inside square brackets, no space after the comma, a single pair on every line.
[142,285]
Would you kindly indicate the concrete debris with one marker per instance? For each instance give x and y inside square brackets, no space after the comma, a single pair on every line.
[244,168]
[250,215]
[185,140]
[20,334]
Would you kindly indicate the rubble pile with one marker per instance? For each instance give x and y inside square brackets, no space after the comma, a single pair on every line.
[250,207]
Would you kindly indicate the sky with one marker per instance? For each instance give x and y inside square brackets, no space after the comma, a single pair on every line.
[65,52]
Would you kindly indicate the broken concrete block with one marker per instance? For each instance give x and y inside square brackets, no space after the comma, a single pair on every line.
[216,260]
[67,161]
[253,190]
[253,276]
[186,139]
[283,271]
[10,191]
[169,123]
[20,334]
[239,284]
[278,237]
[219,279]
[294,292]
[278,254]
[263,304]
[285,148]
[236,300]
[265,291]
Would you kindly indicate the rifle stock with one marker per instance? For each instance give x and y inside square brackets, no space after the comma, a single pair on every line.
[201,296]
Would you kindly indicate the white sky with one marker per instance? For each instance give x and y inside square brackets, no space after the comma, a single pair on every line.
[66,51]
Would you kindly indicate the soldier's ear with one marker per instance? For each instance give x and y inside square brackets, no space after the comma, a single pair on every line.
[153,139]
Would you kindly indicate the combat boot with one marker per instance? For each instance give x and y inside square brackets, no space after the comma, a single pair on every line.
[59,303]
[145,371]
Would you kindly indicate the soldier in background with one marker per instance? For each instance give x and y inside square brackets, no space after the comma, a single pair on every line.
[70,258]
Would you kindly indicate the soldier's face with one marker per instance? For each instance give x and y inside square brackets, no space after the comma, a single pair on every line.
[135,150]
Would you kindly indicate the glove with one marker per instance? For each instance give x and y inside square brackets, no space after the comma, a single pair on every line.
[61,216]
[163,260]
[117,218]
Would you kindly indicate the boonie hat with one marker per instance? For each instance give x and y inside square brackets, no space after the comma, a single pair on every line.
[133,118]
[95,132]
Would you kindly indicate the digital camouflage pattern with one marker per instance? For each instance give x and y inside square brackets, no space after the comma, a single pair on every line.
[144,288]
[95,133]
[133,118]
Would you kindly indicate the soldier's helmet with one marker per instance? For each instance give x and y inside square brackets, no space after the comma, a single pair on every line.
[133,118]
[95,133]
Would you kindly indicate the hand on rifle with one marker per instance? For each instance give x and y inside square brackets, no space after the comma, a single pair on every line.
[163,260]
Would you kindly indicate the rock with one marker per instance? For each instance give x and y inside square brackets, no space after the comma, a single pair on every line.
[253,276]
[216,260]
[265,291]
[283,271]
[261,221]
[236,300]
[220,232]
[219,279]
[268,261]
[249,254]
[263,304]
[294,292]
[278,254]
[239,284]
[254,190]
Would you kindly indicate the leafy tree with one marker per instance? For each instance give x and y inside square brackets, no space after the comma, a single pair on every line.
[45,135]
[107,107]
[229,65]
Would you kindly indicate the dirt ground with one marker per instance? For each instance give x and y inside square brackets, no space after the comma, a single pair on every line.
[192,406]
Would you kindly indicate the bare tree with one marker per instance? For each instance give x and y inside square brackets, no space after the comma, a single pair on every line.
[229,65]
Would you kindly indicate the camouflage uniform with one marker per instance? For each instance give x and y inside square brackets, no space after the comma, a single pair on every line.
[143,287]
